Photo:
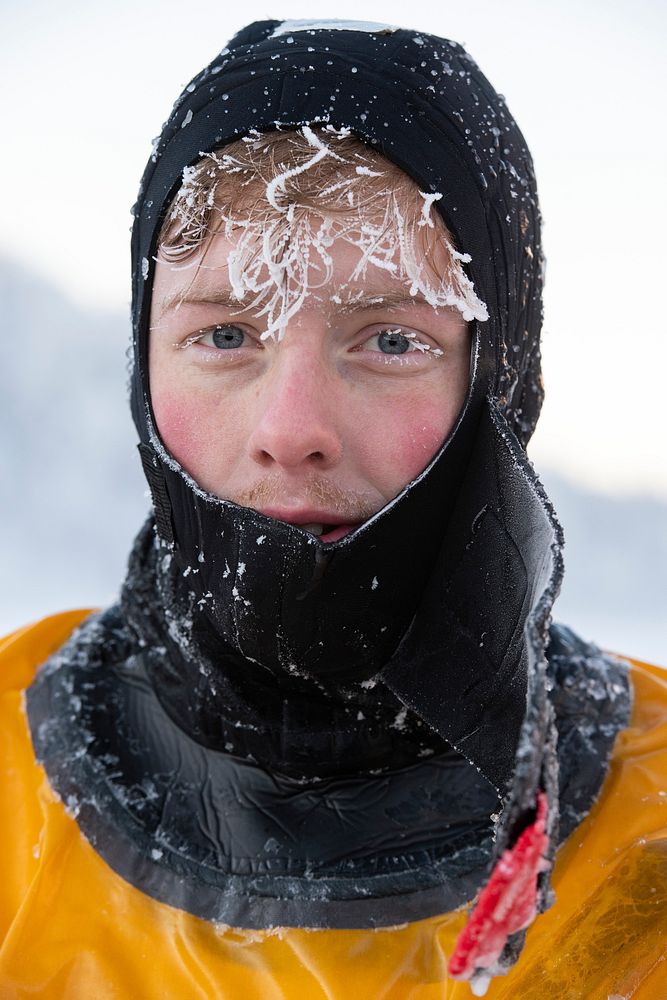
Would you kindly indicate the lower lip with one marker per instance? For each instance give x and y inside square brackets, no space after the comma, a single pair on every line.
[337,533]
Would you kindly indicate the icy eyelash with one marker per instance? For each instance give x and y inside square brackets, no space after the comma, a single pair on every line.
[282,252]
[419,345]
[189,341]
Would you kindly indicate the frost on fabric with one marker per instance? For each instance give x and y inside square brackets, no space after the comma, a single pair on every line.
[281,249]
[333,24]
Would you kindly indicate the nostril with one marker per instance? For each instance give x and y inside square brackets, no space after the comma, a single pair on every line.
[317,447]
[266,457]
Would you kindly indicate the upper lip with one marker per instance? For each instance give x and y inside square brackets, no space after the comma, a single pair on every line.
[305,515]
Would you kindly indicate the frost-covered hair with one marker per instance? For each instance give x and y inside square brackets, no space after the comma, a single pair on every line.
[285,196]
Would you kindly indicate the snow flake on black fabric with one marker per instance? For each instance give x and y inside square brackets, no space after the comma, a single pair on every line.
[322,846]
[473,540]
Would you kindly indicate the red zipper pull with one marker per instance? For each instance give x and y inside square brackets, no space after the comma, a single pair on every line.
[506,904]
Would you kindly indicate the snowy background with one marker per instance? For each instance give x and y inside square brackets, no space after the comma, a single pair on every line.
[86,88]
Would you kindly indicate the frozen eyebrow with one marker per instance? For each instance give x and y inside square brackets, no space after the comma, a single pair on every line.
[196,296]
[389,300]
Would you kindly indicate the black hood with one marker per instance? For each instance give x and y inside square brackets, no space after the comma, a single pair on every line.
[423,103]
[444,596]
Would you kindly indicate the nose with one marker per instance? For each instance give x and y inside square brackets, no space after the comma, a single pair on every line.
[297,416]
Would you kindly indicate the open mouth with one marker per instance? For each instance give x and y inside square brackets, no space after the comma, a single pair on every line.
[328,532]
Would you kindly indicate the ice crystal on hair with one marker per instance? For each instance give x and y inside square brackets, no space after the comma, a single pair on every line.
[426,219]
[282,199]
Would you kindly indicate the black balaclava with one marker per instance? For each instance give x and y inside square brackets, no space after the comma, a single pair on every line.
[208,728]
[472,541]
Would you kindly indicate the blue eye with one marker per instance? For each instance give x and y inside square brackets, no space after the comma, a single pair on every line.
[228,336]
[393,342]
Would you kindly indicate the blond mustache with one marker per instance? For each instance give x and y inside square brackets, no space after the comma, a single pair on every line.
[319,492]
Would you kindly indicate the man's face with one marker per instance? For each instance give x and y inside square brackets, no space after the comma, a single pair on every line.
[322,428]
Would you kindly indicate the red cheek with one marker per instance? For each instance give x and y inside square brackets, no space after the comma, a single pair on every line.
[407,438]
[421,442]
[180,426]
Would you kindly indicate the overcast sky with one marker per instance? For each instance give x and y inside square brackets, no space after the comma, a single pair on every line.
[86,86]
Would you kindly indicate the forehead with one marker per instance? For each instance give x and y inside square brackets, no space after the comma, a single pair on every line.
[281,234]
[333,281]
[207,280]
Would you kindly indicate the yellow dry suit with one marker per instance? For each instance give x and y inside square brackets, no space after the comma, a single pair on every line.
[70,927]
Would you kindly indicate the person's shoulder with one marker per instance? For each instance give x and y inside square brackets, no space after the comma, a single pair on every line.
[25,649]
[648,724]
[650,674]
[601,678]
[568,651]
